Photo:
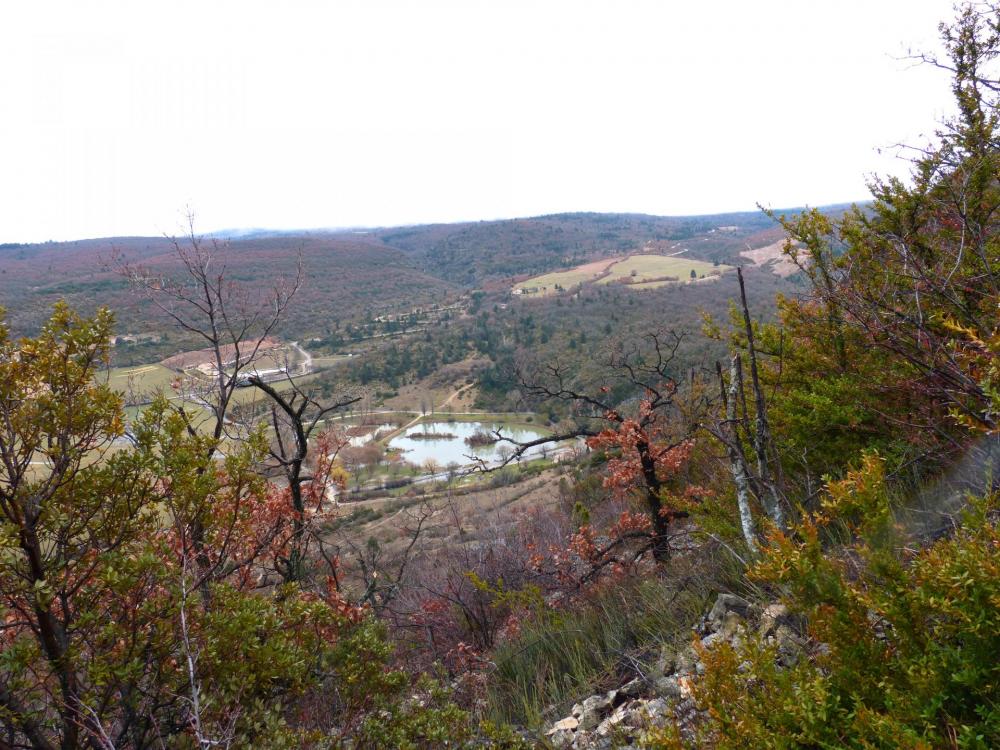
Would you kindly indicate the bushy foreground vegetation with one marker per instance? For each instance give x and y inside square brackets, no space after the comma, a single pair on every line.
[905,638]
[134,579]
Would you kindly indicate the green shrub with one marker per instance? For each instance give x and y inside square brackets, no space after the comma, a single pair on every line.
[906,639]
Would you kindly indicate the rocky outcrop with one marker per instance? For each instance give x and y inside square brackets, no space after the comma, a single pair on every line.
[620,717]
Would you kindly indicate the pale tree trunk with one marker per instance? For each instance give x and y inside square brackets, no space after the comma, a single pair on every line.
[736,461]
[762,434]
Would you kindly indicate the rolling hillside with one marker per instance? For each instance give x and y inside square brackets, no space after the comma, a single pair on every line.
[478,252]
[345,279]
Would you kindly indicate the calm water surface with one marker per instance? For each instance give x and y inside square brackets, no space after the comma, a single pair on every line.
[446,450]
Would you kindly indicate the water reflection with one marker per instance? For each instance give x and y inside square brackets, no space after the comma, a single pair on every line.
[445,442]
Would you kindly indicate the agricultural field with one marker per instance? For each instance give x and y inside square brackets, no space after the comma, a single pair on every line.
[554,283]
[140,384]
[638,271]
[651,271]
[773,255]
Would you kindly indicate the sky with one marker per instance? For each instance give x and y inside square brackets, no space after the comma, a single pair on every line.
[118,117]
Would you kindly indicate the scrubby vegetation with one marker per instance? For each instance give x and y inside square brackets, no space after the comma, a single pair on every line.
[176,581]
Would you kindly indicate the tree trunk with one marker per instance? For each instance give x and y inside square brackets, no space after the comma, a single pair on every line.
[737,462]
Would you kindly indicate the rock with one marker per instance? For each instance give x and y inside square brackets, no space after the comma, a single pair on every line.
[790,646]
[561,738]
[685,661]
[770,618]
[725,603]
[711,639]
[631,689]
[570,723]
[656,708]
[591,711]
[654,712]
[665,664]
[667,687]
[732,623]
[617,717]
[596,703]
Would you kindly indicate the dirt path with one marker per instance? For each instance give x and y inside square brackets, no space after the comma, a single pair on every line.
[455,394]
[402,429]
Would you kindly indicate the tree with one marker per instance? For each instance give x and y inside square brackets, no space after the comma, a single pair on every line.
[908,658]
[749,426]
[897,619]
[101,645]
[915,278]
[646,433]
[105,638]
[295,415]
[234,321]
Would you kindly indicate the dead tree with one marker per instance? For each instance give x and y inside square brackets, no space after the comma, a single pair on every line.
[234,321]
[762,444]
[737,459]
[295,415]
[736,429]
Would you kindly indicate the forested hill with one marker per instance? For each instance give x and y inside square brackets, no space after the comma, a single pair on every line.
[345,278]
[356,275]
[471,252]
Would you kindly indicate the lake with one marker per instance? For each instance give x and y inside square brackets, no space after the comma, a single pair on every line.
[445,450]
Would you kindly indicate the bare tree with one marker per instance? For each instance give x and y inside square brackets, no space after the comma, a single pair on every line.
[295,415]
[736,429]
[234,321]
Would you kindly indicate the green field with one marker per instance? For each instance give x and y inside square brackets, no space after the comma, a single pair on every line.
[565,280]
[139,383]
[639,271]
[649,271]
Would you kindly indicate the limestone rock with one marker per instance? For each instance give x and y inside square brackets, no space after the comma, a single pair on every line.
[591,711]
[665,664]
[561,738]
[770,618]
[617,717]
[685,661]
[724,604]
[631,689]
[790,645]
[667,687]
[569,723]
[656,708]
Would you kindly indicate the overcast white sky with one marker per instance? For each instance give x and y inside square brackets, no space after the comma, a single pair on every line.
[117,115]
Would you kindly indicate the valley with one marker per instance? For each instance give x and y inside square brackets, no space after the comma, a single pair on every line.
[418,454]
[442,361]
